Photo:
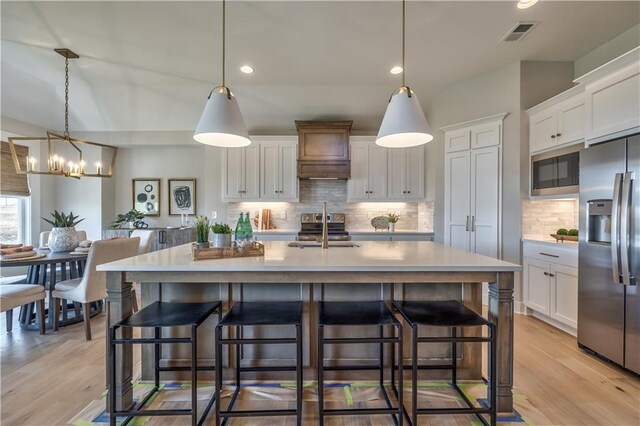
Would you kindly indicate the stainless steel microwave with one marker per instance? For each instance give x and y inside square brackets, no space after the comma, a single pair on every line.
[556,172]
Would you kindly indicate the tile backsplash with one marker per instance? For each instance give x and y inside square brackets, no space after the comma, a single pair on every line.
[544,217]
[413,216]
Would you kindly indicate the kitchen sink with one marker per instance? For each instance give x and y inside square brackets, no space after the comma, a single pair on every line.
[332,244]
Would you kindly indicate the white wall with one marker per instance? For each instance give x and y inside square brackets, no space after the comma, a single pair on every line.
[615,47]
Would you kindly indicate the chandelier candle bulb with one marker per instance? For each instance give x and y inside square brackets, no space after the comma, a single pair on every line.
[98,168]
[33,162]
[82,164]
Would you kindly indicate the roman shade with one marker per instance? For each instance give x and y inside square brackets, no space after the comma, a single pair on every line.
[12,183]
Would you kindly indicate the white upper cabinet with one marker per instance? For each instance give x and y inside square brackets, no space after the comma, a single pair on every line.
[368,172]
[557,122]
[240,173]
[405,173]
[278,180]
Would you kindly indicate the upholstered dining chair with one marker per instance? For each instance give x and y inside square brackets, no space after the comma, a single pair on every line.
[93,284]
[15,295]
[146,241]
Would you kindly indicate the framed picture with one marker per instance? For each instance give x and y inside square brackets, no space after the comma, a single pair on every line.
[146,195]
[182,196]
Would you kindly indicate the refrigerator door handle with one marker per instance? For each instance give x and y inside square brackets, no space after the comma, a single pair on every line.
[615,225]
[625,218]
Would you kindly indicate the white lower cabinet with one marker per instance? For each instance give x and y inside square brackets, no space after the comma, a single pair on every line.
[551,283]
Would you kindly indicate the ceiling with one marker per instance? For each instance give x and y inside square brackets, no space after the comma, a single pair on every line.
[149,66]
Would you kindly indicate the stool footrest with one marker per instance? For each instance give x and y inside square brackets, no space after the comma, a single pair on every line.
[350,367]
[347,340]
[200,368]
[273,368]
[453,411]
[152,340]
[257,413]
[359,411]
[135,413]
[429,367]
[453,339]
[270,341]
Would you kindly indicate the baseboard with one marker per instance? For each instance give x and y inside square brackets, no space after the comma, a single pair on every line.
[557,324]
[519,308]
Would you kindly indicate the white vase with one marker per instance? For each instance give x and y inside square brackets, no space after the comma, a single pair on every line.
[392,227]
[63,239]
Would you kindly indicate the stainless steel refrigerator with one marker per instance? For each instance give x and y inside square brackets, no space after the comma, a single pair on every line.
[609,268]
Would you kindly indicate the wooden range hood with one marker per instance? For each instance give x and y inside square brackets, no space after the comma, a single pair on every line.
[323,149]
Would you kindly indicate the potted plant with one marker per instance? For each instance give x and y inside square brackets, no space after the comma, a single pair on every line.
[221,235]
[202,231]
[393,218]
[63,236]
[133,217]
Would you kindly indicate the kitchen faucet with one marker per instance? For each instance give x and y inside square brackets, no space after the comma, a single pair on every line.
[325,227]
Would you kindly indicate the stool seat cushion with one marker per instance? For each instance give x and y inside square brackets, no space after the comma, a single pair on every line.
[264,313]
[168,314]
[355,313]
[445,313]
[14,295]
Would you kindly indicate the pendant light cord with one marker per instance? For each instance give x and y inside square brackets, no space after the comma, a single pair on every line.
[66,97]
[224,14]
[404,69]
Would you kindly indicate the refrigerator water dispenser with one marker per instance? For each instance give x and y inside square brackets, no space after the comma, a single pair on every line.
[599,221]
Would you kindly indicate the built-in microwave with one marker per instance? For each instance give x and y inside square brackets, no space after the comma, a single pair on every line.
[556,172]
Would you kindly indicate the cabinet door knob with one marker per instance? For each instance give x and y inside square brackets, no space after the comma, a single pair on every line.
[551,275]
[553,136]
[558,134]
[408,192]
[546,273]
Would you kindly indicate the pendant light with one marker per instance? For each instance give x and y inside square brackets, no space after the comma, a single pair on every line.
[404,124]
[221,123]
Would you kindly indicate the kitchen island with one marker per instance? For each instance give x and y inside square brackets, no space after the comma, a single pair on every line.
[371,270]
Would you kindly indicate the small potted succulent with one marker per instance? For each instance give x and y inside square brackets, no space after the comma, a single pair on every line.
[393,218]
[133,217]
[202,231]
[221,235]
[63,236]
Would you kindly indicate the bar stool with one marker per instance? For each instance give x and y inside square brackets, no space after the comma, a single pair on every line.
[374,313]
[452,314]
[244,314]
[159,315]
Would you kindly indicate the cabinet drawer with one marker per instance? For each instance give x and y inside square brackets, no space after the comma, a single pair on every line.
[552,253]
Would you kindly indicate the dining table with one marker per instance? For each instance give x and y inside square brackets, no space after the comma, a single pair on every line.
[47,268]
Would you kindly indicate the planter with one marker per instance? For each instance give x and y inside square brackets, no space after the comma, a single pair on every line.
[221,240]
[202,245]
[392,227]
[63,239]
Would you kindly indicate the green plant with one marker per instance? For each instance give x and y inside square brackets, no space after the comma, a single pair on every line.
[131,216]
[393,217]
[573,232]
[62,220]
[221,228]
[562,231]
[202,228]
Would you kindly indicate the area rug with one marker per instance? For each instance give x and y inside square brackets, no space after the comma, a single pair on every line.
[267,395]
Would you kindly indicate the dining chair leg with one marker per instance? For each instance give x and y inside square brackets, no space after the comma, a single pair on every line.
[86,313]
[134,298]
[9,315]
[56,313]
[41,319]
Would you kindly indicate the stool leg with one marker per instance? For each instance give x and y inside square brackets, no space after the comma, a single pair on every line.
[321,375]
[414,374]
[156,355]
[381,360]
[238,349]
[219,367]
[299,381]
[454,357]
[493,374]
[112,377]
[194,375]
[400,375]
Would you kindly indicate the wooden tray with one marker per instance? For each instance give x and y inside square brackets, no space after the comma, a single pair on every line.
[564,237]
[255,249]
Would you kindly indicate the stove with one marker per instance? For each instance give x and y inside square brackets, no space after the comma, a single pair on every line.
[311,227]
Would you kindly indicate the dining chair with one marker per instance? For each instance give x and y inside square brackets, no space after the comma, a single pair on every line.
[146,241]
[16,295]
[92,286]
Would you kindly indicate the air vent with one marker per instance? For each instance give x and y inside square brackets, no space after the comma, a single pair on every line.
[518,32]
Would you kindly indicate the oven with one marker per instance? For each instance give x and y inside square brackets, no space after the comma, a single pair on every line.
[556,172]
[311,227]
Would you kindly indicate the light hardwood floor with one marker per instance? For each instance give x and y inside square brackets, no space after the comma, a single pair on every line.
[46,380]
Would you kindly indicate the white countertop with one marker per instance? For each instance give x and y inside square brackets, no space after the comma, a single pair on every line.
[276,231]
[350,231]
[369,256]
[572,245]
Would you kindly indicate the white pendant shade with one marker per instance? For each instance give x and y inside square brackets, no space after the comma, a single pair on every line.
[404,123]
[221,123]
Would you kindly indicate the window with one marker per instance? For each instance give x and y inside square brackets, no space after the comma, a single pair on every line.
[13,220]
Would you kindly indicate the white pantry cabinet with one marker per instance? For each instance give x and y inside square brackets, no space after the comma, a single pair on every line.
[473,186]
[550,282]
[368,172]
[559,121]
[405,173]
[241,173]
[278,179]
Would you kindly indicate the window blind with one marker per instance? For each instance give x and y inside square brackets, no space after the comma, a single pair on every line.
[12,183]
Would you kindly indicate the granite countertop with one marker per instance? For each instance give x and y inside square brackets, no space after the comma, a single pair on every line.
[367,256]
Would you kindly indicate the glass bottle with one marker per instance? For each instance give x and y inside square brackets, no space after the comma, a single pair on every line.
[248,229]
[240,230]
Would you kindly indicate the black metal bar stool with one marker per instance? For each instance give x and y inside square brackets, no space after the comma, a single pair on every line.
[451,314]
[159,315]
[374,313]
[254,314]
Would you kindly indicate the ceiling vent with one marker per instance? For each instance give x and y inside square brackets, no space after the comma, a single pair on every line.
[518,32]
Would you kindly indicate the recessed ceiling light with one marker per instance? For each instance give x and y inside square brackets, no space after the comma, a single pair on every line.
[525,4]
[396,70]
[246,69]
